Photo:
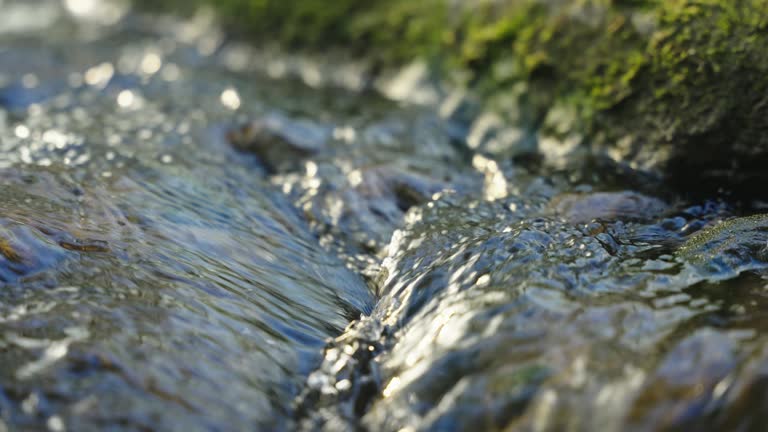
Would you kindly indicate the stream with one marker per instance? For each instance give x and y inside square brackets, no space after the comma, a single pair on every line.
[198,236]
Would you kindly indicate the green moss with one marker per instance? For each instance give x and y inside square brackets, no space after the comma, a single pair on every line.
[380,30]
[681,83]
[741,236]
[702,86]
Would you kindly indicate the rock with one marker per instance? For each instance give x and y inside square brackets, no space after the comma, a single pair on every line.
[281,143]
[741,240]
[510,319]
[677,88]
[625,205]
[355,214]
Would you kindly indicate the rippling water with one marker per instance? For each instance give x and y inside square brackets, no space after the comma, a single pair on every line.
[151,277]
[189,227]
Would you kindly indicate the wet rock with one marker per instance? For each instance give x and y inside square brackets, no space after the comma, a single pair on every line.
[611,206]
[356,191]
[499,315]
[675,89]
[502,314]
[728,246]
[281,143]
[87,245]
[354,215]
[341,390]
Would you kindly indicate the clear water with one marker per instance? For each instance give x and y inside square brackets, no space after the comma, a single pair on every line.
[155,277]
[151,277]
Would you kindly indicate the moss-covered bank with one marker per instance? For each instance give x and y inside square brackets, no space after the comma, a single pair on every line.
[677,87]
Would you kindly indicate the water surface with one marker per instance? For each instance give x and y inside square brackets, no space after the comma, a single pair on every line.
[196,235]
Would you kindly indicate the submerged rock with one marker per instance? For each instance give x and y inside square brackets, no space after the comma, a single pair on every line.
[354,185]
[135,254]
[626,205]
[366,206]
[282,143]
[729,244]
[503,318]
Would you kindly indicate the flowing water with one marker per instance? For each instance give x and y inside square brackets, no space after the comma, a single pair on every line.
[194,237]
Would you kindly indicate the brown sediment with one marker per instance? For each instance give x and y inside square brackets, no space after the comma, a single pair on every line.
[86,246]
[8,251]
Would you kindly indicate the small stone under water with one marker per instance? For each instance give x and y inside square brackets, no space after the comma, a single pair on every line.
[626,205]
[279,141]
[86,246]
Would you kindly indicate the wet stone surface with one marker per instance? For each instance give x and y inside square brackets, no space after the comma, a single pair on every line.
[510,318]
[190,243]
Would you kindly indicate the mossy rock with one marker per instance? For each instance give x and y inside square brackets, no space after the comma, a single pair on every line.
[740,239]
[678,88]
[696,109]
